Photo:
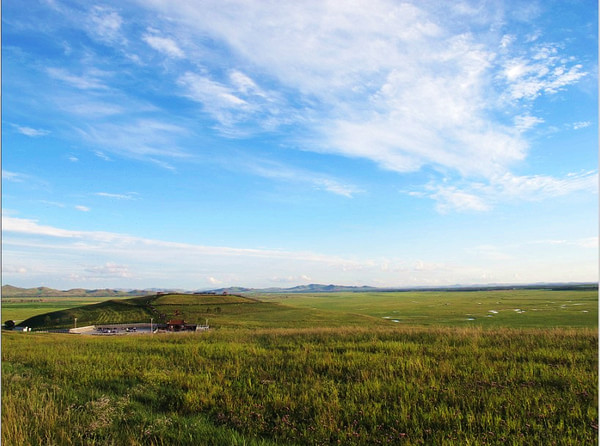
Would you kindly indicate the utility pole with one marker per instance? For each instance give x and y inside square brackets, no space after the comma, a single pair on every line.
[151,319]
[75,322]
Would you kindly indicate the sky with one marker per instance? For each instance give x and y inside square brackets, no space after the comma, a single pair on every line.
[206,144]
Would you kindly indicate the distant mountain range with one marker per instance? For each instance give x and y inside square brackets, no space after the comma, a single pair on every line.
[318,288]
[312,288]
[12,291]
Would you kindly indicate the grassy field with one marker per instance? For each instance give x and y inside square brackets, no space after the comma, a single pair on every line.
[341,368]
[20,308]
[489,309]
[495,308]
[358,386]
[221,311]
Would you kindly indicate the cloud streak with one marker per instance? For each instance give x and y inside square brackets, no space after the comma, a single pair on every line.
[507,188]
[434,110]
[46,251]
[405,86]
[30,131]
[164,45]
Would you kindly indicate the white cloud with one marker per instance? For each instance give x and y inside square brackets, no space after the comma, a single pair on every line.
[214,281]
[210,93]
[538,187]
[177,260]
[105,24]
[279,171]
[60,256]
[478,196]
[27,226]
[542,71]
[581,125]
[449,198]
[589,242]
[141,138]
[291,280]
[403,85]
[53,203]
[128,196]
[164,45]
[14,176]
[8,269]
[586,242]
[82,208]
[336,187]
[105,240]
[390,82]
[87,81]
[235,101]
[108,270]
[88,109]
[526,122]
[102,155]
[29,131]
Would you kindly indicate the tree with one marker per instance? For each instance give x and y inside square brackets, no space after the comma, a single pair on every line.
[9,325]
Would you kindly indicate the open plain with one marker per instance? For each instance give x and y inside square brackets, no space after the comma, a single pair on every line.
[339,368]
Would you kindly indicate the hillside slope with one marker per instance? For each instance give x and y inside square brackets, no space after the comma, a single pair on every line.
[221,311]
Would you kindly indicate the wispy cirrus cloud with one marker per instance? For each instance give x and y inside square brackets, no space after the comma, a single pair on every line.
[31,181]
[406,86]
[105,24]
[108,270]
[97,241]
[506,188]
[147,139]
[435,110]
[64,255]
[282,172]
[127,196]
[14,176]
[90,80]
[236,101]
[163,45]
[585,242]
[30,131]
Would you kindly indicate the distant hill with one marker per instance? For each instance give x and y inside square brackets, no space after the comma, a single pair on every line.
[311,288]
[320,288]
[160,307]
[12,291]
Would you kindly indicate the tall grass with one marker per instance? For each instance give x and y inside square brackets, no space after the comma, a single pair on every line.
[303,386]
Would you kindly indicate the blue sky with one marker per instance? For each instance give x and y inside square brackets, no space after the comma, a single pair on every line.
[200,144]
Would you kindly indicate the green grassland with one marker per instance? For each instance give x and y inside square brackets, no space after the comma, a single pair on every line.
[315,369]
[357,386]
[494,308]
[20,308]
[221,311]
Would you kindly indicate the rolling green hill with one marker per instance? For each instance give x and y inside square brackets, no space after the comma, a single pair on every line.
[220,310]
[494,308]
[108,312]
